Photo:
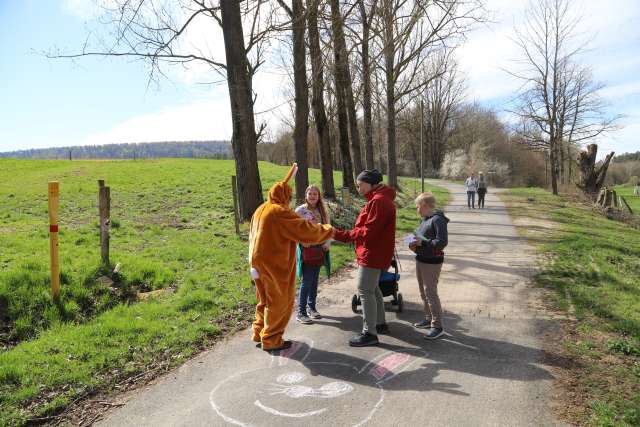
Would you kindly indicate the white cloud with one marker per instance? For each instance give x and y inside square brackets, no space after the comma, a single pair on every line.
[203,120]
[621,90]
[489,50]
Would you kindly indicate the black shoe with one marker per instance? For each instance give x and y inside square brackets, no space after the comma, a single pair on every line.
[363,340]
[434,333]
[382,328]
[285,345]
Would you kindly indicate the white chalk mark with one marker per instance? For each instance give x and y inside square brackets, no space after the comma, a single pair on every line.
[295,391]
[334,389]
[282,358]
[288,383]
[288,414]
[291,378]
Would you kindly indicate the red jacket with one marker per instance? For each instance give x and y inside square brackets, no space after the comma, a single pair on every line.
[374,233]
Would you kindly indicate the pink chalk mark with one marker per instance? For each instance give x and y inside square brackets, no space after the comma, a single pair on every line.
[388,364]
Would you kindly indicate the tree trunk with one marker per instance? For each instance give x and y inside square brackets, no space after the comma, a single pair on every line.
[301,130]
[344,76]
[562,171]
[570,178]
[389,51]
[392,178]
[553,167]
[381,164]
[244,139]
[592,177]
[317,101]
[366,89]
[347,167]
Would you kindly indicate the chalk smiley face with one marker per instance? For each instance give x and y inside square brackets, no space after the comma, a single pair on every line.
[298,393]
[291,385]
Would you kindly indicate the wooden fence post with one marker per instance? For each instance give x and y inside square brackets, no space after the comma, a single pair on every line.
[54,199]
[346,197]
[104,209]
[624,202]
[236,216]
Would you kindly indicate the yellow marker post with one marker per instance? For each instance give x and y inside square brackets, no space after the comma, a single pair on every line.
[54,198]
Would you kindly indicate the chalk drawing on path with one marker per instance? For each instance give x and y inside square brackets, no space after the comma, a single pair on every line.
[298,388]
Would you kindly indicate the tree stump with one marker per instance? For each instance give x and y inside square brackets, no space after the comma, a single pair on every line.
[592,176]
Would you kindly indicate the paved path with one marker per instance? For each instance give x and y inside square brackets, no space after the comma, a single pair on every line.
[488,371]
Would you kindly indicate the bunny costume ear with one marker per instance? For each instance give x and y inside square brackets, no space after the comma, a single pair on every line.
[292,173]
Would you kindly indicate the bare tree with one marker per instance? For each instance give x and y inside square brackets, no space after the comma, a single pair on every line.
[343,76]
[366,16]
[408,33]
[301,129]
[341,95]
[317,102]
[157,32]
[244,138]
[442,95]
[559,100]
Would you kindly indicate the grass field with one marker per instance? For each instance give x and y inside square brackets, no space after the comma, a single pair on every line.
[627,192]
[407,218]
[172,229]
[593,264]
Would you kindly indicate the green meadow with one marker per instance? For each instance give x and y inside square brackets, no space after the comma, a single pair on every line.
[627,192]
[172,233]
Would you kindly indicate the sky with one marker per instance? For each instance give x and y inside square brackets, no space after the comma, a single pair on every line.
[60,102]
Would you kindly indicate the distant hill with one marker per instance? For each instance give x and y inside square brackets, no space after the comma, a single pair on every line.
[190,149]
[627,157]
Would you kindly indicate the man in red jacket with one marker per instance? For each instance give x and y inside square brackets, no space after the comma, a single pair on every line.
[374,236]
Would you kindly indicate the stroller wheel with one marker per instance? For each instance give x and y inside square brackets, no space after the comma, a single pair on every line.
[399,298]
[355,301]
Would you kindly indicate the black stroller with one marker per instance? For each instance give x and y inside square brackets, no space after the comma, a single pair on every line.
[388,286]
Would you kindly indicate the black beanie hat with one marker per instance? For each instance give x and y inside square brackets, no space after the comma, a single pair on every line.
[372,176]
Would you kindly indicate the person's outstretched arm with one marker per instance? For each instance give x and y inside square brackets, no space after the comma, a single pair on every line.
[298,229]
[371,230]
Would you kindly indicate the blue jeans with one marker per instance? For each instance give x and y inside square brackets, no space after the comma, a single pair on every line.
[308,288]
[471,199]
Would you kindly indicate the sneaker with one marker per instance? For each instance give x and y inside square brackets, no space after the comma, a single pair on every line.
[423,324]
[382,328]
[363,340]
[434,333]
[303,318]
[313,314]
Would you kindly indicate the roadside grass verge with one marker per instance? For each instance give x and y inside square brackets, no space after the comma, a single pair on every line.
[593,265]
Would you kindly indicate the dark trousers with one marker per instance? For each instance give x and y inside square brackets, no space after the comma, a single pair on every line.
[471,199]
[308,288]
[481,195]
